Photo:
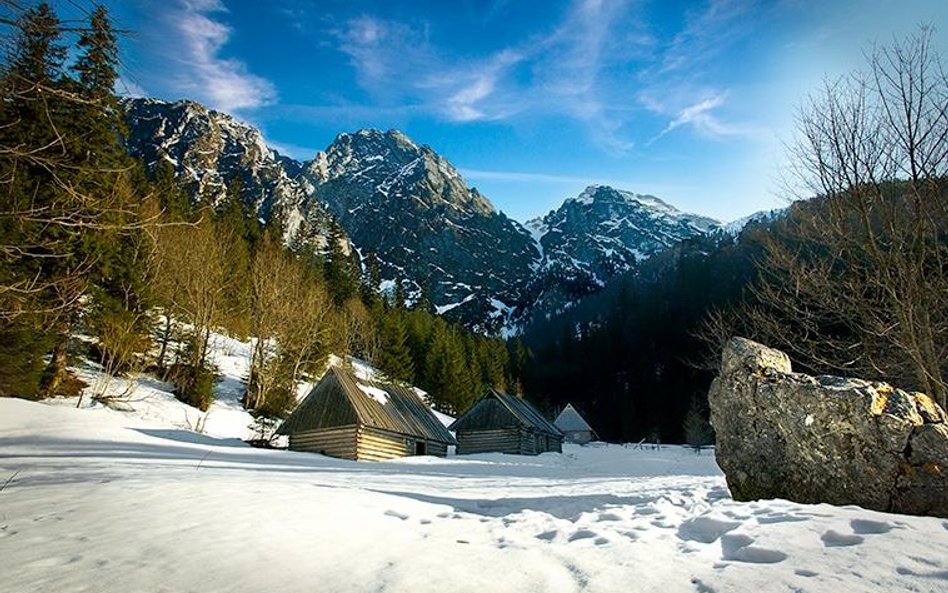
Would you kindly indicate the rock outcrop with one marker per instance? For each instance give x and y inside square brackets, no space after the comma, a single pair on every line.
[826,439]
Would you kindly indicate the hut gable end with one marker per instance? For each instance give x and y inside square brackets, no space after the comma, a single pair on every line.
[507,424]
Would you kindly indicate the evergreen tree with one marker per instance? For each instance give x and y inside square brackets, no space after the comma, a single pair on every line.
[235,219]
[33,254]
[371,283]
[341,269]
[394,357]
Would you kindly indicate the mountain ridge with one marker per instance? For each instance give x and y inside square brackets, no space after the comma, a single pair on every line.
[413,210]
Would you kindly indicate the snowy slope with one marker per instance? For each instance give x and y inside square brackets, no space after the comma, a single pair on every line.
[93,502]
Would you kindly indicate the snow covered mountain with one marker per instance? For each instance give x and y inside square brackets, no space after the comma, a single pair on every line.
[600,234]
[411,208]
[212,153]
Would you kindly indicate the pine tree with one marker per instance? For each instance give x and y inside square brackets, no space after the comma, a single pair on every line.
[234,219]
[119,284]
[30,260]
[341,269]
[371,283]
[395,358]
[697,429]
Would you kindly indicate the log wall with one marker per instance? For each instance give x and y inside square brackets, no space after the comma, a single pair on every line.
[334,442]
[499,440]
[378,445]
[361,443]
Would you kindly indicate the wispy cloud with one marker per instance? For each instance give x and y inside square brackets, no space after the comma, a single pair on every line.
[708,32]
[597,65]
[387,55]
[479,91]
[701,118]
[557,72]
[680,86]
[203,74]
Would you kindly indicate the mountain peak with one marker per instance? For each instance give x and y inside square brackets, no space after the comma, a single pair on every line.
[607,193]
[601,233]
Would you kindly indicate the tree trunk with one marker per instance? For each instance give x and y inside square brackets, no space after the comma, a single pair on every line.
[165,338]
[56,371]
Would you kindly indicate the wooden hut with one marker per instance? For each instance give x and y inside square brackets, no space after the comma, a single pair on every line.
[352,418]
[574,427]
[503,423]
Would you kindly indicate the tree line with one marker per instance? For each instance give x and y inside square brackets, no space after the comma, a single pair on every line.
[103,257]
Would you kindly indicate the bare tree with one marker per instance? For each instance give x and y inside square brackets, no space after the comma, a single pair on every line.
[291,319]
[856,280]
[190,277]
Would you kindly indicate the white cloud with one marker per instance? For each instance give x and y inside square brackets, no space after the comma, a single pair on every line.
[222,83]
[387,55]
[700,117]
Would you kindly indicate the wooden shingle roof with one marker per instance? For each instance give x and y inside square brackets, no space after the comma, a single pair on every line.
[502,410]
[342,399]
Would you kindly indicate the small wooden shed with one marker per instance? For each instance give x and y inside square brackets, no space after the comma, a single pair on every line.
[503,423]
[352,418]
[574,427]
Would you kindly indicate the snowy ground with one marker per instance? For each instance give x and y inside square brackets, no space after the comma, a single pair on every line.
[101,500]
[96,500]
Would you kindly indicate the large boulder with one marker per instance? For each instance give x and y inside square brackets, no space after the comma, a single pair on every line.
[827,439]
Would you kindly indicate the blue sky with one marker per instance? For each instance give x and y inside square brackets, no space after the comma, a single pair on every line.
[688,100]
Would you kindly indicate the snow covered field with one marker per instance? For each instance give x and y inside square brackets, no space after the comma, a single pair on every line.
[96,500]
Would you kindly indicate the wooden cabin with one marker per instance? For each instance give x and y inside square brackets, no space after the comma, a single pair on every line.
[574,427]
[352,418]
[503,423]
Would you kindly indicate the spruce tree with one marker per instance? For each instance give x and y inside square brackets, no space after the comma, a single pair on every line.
[341,269]
[30,260]
[395,358]
[119,285]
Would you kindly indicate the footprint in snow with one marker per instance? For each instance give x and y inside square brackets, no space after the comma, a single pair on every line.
[396,514]
[802,572]
[866,527]
[702,587]
[705,529]
[582,534]
[781,518]
[936,574]
[738,547]
[547,536]
[834,539]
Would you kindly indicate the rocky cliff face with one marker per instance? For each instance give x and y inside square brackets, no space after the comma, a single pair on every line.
[211,152]
[826,439]
[412,208]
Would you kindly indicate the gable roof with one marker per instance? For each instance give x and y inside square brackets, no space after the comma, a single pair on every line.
[497,409]
[571,420]
[342,399]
